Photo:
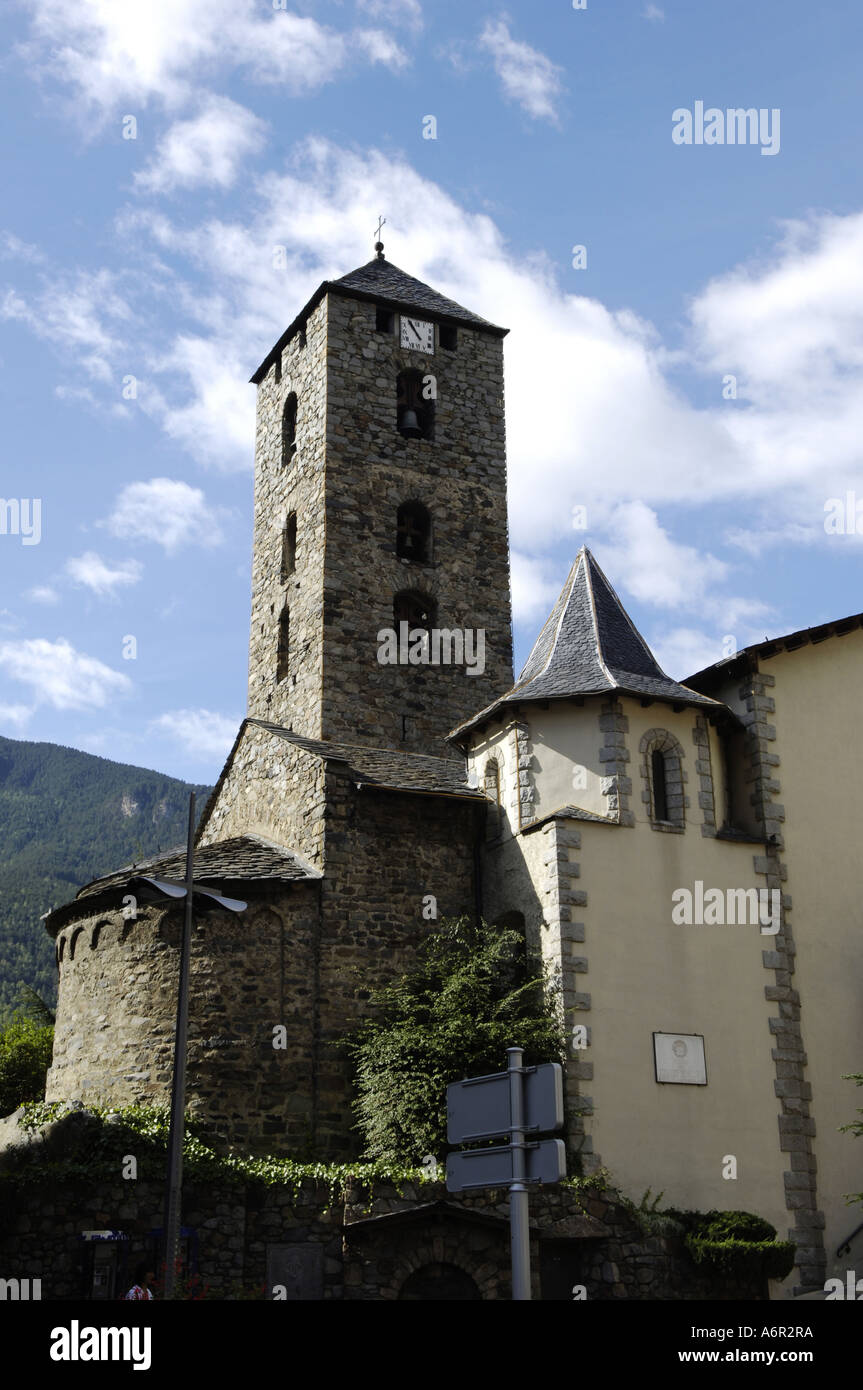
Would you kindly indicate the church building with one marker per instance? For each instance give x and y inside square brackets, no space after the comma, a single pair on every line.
[682,852]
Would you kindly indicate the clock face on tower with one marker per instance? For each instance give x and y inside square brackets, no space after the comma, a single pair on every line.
[417,334]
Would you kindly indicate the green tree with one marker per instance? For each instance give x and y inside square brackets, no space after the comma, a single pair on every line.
[25,1056]
[472,992]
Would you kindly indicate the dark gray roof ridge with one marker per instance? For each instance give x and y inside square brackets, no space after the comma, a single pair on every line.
[381,281]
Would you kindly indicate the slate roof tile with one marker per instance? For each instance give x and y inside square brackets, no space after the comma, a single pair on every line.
[590,646]
[380,767]
[383,282]
[379,277]
[243,857]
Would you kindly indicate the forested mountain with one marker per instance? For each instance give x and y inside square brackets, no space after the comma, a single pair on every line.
[65,818]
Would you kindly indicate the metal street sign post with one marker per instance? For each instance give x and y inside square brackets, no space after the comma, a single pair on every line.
[154,890]
[517,1102]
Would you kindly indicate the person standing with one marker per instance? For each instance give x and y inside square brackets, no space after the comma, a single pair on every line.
[144,1277]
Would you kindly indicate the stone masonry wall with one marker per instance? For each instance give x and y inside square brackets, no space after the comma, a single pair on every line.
[386,853]
[460,477]
[281,488]
[306,956]
[275,789]
[351,471]
[347,1247]
[117,1011]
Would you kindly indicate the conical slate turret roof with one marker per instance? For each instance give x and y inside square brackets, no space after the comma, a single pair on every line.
[590,646]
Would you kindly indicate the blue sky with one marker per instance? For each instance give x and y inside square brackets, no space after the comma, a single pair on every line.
[139,289]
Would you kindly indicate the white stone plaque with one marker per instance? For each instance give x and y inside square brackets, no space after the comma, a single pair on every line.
[679,1058]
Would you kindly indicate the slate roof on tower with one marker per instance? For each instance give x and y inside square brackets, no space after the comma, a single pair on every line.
[381,282]
[590,646]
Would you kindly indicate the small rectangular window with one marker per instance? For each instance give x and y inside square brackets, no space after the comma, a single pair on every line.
[301,337]
[279,368]
[385,321]
[448,336]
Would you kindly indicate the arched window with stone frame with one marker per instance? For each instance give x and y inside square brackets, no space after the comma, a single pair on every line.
[413,532]
[415,408]
[492,785]
[289,429]
[663,780]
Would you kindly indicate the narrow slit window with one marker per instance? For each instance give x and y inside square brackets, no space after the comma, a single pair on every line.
[289,546]
[289,429]
[660,785]
[413,532]
[284,649]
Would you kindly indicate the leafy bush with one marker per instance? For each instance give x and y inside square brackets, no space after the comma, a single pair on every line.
[736,1225]
[143,1131]
[736,1244]
[744,1259]
[472,992]
[25,1056]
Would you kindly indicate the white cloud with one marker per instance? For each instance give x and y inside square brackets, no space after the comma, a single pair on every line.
[536,584]
[565,351]
[166,511]
[615,425]
[202,732]
[789,326]
[15,715]
[13,248]
[381,48]
[61,676]
[685,650]
[208,149]
[394,11]
[75,318]
[216,423]
[91,571]
[528,77]
[42,593]
[116,54]
[652,11]
[650,565]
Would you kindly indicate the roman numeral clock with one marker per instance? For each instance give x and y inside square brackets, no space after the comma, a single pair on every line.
[417,334]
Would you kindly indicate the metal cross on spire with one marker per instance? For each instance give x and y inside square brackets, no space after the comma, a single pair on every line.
[379,246]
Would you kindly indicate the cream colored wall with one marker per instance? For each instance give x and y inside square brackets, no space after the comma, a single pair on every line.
[645,975]
[566,736]
[681,725]
[719,773]
[498,743]
[820,745]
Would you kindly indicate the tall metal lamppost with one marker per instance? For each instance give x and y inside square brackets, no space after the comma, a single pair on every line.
[162,890]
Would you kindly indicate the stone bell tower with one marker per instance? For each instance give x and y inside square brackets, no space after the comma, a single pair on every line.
[380,508]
